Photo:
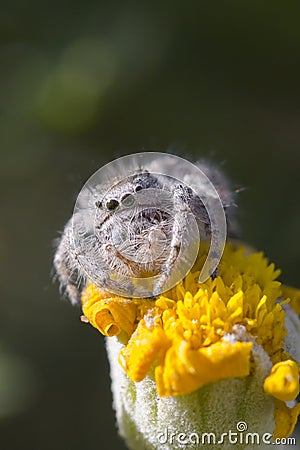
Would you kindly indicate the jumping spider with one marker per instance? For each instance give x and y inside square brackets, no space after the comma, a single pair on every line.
[138,227]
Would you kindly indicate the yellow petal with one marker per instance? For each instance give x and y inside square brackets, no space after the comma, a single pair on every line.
[186,370]
[285,419]
[145,346]
[109,315]
[283,381]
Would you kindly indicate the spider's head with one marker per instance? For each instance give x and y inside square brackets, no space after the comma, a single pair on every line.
[134,224]
[122,192]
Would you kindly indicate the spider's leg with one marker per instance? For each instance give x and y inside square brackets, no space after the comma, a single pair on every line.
[182,210]
[66,269]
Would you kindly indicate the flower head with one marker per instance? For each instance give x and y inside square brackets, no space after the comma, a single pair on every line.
[237,332]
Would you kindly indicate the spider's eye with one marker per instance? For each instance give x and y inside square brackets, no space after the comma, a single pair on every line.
[98,204]
[127,200]
[112,204]
[138,188]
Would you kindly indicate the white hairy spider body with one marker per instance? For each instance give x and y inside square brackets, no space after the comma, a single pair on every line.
[136,227]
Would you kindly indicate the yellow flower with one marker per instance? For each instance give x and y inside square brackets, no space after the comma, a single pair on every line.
[198,334]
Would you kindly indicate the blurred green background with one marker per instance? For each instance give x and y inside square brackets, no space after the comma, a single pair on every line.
[85,82]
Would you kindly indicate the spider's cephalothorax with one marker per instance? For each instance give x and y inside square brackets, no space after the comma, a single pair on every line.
[132,235]
[133,231]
